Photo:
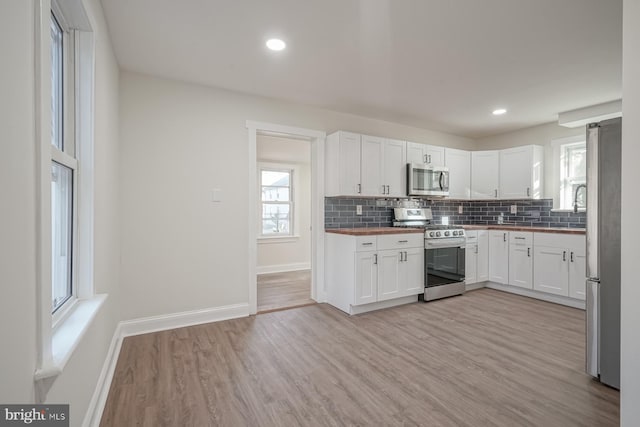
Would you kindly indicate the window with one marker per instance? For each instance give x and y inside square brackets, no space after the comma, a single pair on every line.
[573,174]
[63,167]
[277,201]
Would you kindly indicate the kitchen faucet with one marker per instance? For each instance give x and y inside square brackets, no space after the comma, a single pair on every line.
[575,199]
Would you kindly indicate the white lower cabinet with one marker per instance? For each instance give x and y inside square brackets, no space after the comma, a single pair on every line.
[477,257]
[521,259]
[559,265]
[364,272]
[499,256]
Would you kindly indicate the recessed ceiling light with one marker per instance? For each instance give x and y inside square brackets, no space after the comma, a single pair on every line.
[276,44]
[499,112]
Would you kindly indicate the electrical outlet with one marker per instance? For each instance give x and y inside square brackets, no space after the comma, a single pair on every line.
[514,209]
[460,209]
[358,209]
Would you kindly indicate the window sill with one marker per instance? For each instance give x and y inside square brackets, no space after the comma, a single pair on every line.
[569,210]
[68,333]
[278,239]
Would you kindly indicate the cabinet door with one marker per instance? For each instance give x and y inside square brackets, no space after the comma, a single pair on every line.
[395,168]
[521,266]
[416,153]
[485,174]
[516,172]
[499,256]
[349,161]
[459,164]
[551,272]
[471,263]
[435,155]
[482,272]
[389,274]
[577,273]
[371,166]
[366,277]
[412,272]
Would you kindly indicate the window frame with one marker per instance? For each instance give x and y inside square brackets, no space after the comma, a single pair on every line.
[278,167]
[66,155]
[567,182]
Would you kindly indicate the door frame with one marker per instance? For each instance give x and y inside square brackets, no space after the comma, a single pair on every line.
[317,139]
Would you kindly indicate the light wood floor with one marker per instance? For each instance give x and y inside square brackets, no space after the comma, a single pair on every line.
[487,358]
[284,290]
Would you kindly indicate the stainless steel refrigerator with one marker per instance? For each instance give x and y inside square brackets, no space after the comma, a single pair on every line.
[604,156]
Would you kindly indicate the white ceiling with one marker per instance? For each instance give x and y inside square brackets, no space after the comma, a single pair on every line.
[439,64]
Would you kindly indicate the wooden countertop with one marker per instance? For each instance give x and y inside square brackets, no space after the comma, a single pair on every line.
[531,229]
[373,231]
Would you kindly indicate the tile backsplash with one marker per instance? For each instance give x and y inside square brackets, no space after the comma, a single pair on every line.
[340,212]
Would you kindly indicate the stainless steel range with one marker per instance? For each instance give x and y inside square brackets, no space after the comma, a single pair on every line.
[444,252]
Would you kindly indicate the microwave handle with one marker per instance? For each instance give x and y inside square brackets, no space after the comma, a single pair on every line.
[440,181]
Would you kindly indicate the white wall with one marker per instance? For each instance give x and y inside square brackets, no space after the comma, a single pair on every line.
[630,318]
[179,141]
[17,228]
[537,135]
[275,254]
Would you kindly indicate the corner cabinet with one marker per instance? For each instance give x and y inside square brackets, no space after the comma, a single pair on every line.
[366,273]
[485,174]
[459,164]
[521,172]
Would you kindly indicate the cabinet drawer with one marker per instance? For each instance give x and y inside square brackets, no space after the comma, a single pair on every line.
[366,243]
[560,240]
[472,236]
[396,241]
[521,238]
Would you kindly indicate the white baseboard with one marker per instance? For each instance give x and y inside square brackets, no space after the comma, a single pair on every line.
[557,299]
[100,394]
[283,268]
[143,326]
[474,286]
[359,309]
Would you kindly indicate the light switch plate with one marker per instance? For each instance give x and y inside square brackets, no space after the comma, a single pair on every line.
[514,209]
[216,195]
[358,209]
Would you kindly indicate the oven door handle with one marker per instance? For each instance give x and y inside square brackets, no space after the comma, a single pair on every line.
[459,243]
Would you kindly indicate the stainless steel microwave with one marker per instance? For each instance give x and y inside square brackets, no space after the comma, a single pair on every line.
[425,180]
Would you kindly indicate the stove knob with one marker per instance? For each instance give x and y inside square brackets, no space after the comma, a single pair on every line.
[455,233]
[431,234]
[438,234]
[446,233]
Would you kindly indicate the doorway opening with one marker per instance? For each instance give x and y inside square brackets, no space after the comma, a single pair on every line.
[284,221]
[286,211]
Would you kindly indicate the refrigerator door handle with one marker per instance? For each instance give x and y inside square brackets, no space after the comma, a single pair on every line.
[593,327]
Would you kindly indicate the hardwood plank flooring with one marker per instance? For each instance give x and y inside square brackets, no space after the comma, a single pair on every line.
[487,358]
[278,291]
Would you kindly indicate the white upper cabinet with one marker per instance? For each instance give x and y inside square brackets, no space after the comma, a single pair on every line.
[521,172]
[423,153]
[371,166]
[459,164]
[395,168]
[342,173]
[485,174]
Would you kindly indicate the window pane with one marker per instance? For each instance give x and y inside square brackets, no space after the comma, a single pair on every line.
[275,219]
[275,194]
[56,84]
[276,178]
[577,161]
[62,232]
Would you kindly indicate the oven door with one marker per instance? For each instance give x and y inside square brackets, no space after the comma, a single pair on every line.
[444,264]
[425,180]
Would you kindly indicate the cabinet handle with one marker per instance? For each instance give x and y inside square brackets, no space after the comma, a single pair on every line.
[388,189]
[403,241]
[504,237]
[375,259]
[425,158]
[528,192]
[476,248]
[564,255]
[496,193]
[384,191]
[571,256]
[519,238]
[367,244]
[359,188]
[406,256]
[528,252]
